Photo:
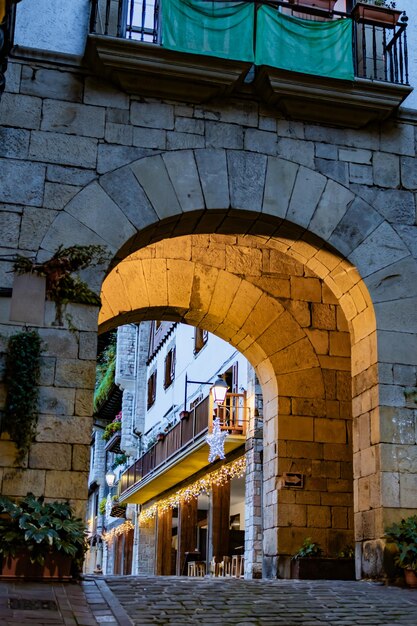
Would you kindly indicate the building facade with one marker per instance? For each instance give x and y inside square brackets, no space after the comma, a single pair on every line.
[272,207]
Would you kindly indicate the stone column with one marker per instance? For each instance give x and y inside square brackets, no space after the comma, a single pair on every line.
[146,540]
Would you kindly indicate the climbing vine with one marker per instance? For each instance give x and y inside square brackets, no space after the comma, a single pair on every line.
[61,286]
[22,378]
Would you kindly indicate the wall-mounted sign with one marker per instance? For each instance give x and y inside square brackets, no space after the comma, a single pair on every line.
[293,480]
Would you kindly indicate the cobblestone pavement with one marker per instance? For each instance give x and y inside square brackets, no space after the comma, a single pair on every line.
[231,602]
[139,601]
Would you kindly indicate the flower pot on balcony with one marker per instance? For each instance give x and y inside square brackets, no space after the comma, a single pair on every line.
[160,436]
[375,15]
[323,5]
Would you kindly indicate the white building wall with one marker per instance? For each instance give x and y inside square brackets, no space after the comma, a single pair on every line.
[58,26]
[213,359]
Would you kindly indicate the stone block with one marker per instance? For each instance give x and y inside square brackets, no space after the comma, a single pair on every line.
[62,429]
[154,179]
[339,344]
[87,346]
[58,195]
[397,425]
[189,125]
[398,138]
[21,182]
[59,342]
[14,72]
[50,456]
[355,155]
[329,430]
[34,226]
[296,150]
[47,373]
[152,115]
[123,187]
[184,141]
[302,207]
[326,151]
[308,289]
[9,228]
[409,173]
[80,458]
[63,149]
[149,138]
[19,482]
[323,316]
[74,373]
[14,143]
[111,156]
[296,428]
[69,175]
[408,490]
[332,207]
[359,221]
[220,135]
[361,174]
[292,514]
[50,83]
[339,517]
[94,208]
[336,170]
[246,178]
[66,484]
[390,490]
[182,171]
[84,402]
[386,169]
[212,168]
[56,401]
[119,133]
[8,453]
[260,141]
[380,249]
[20,111]
[319,517]
[397,347]
[396,206]
[102,93]
[279,184]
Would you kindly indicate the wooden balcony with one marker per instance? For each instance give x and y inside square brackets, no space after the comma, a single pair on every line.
[183,451]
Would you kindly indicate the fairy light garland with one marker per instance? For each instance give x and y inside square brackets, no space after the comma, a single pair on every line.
[116,532]
[204,485]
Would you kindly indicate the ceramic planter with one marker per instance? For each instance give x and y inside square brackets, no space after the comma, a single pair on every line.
[410,578]
[375,16]
[320,568]
[57,566]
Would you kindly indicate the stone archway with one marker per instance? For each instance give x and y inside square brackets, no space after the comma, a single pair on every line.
[361,260]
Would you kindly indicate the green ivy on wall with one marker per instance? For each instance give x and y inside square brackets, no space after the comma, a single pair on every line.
[22,378]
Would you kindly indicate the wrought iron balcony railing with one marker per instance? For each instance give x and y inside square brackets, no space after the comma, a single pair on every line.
[193,428]
[380,52]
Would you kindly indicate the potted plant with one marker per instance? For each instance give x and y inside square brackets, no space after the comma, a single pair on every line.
[111,428]
[39,539]
[376,13]
[308,563]
[323,5]
[404,536]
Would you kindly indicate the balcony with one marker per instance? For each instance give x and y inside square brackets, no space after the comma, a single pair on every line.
[126,47]
[183,451]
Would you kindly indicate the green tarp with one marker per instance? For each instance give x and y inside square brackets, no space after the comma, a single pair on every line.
[289,43]
[220,29]
[226,30]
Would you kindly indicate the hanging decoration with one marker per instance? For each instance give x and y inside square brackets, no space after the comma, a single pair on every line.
[204,485]
[216,441]
[123,529]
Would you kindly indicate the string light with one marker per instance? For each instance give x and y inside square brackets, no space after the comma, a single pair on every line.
[116,532]
[204,485]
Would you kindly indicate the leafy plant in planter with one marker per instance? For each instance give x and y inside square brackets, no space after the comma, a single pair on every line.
[22,377]
[110,429]
[308,549]
[120,459]
[33,531]
[404,536]
[309,563]
[61,286]
[102,506]
[376,12]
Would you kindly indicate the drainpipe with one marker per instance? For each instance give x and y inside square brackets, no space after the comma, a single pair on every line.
[7,20]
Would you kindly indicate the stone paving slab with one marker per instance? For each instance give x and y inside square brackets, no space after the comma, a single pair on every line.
[162,601]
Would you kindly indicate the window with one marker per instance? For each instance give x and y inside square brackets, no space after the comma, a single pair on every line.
[200,339]
[169,368]
[151,389]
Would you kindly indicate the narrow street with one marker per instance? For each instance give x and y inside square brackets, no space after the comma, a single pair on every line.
[231,602]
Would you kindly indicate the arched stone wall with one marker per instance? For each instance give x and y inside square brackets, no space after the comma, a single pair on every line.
[364,258]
